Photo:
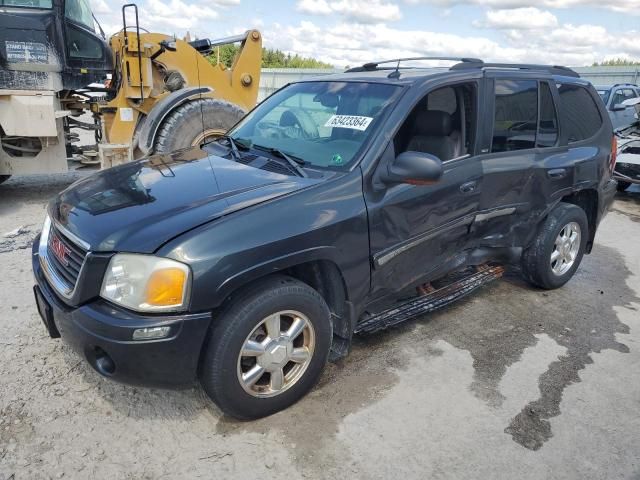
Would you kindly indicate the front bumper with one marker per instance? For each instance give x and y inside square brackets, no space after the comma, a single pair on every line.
[102,334]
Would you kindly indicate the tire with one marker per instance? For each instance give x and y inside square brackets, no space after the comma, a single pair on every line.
[4,178]
[538,268]
[622,186]
[185,125]
[223,368]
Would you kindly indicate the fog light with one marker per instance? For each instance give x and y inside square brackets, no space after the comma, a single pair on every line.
[150,333]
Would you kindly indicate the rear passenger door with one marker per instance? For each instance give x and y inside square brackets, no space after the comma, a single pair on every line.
[519,151]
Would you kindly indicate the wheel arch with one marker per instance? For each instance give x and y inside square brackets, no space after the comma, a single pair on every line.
[161,110]
[316,268]
[587,200]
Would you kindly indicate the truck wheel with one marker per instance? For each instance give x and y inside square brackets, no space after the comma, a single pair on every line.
[196,122]
[622,186]
[4,178]
[267,348]
[558,248]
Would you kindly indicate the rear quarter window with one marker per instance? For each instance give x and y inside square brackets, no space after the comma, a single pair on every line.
[581,117]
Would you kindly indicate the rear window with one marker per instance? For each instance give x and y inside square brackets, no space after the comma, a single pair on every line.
[581,117]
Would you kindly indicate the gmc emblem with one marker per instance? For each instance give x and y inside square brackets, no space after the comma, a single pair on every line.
[59,249]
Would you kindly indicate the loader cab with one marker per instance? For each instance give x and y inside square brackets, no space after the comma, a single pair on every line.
[88,55]
[48,37]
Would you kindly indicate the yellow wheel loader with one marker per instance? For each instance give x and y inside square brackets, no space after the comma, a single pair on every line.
[163,94]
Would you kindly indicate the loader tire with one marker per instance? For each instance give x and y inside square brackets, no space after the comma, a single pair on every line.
[195,122]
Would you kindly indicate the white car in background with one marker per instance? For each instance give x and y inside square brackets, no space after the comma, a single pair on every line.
[628,159]
[615,98]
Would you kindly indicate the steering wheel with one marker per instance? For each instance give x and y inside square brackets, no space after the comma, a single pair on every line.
[297,123]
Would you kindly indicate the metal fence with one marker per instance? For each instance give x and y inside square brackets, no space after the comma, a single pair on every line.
[273,78]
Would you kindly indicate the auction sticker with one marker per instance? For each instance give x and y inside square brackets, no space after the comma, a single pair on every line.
[354,122]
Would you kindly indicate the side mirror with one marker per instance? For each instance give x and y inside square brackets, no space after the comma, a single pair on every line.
[618,107]
[415,168]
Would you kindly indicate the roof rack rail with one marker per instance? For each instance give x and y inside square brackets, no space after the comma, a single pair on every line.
[370,66]
[553,69]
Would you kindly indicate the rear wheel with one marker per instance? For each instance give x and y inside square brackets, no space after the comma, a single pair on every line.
[267,348]
[558,248]
[195,123]
[622,186]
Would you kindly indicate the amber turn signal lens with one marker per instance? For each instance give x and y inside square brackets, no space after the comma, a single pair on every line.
[166,287]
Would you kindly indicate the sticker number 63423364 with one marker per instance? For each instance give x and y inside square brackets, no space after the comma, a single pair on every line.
[355,122]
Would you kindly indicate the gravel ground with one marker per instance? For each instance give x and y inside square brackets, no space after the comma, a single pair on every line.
[511,382]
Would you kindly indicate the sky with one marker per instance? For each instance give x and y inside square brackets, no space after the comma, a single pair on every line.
[352,32]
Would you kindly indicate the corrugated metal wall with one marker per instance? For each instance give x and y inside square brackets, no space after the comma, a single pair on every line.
[271,79]
[610,75]
[274,78]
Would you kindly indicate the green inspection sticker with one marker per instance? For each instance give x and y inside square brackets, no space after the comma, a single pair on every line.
[336,159]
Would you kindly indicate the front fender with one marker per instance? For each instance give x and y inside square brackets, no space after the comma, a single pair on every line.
[255,272]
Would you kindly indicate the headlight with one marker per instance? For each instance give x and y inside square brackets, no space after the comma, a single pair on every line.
[146,283]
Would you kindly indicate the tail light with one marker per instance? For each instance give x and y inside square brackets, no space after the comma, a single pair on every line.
[614,154]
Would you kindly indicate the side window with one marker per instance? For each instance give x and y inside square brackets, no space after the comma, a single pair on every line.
[515,116]
[443,123]
[581,118]
[621,95]
[548,127]
[81,44]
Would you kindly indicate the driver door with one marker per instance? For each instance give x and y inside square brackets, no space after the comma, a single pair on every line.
[416,230]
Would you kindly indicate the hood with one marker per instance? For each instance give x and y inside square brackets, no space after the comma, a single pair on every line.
[139,206]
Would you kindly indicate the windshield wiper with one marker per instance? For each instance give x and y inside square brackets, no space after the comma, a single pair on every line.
[294,162]
[234,143]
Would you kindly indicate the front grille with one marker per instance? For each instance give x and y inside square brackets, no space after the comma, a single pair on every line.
[68,267]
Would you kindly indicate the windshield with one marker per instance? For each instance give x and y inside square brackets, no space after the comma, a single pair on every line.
[26,3]
[79,11]
[323,123]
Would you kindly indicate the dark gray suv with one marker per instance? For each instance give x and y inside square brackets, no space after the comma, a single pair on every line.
[339,205]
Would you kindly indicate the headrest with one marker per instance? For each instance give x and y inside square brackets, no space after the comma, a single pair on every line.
[433,123]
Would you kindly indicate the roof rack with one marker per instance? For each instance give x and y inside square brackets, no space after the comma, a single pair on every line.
[374,65]
[464,63]
[553,69]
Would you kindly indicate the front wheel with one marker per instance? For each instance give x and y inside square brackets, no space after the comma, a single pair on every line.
[558,248]
[267,348]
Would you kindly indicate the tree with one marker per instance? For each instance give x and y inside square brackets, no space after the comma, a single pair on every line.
[617,62]
[270,58]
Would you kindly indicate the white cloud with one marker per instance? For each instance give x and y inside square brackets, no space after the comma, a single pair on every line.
[359,11]
[314,7]
[348,44]
[628,6]
[526,18]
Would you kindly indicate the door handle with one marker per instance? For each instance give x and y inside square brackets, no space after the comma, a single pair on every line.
[469,187]
[557,173]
